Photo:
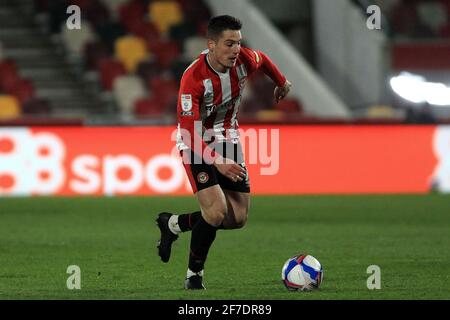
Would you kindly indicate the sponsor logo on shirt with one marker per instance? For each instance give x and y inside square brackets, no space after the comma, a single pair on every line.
[229,105]
[186,102]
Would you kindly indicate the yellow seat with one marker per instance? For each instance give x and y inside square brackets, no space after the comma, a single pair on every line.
[270,115]
[380,112]
[9,107]
[165,14]
[131,50]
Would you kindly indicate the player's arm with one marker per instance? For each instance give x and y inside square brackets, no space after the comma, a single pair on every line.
[259,60]
[189,119]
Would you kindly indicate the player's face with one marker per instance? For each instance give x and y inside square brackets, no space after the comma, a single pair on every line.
[225,50]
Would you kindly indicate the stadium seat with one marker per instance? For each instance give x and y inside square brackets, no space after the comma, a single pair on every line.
[249,105]
[113,6]
[96,12]
[94,52]
[202,28]
[8,74]
[289,105]
[380,112]
[57,16]
[36,106]
[9,107]
[148,106]
[40,6]
[164,90]
[263,89]
[193,46]
[195,10]
[131,12]
[75,40]
[109,70]
[404,19]
[270,115]
[7,66]
[145,30]
[110,32]
[131,51]
[127,89]
[23,90]
[432,14]
[164,14]
[178,67]
[166,52]
[445,31]
[148,70]
[181,32]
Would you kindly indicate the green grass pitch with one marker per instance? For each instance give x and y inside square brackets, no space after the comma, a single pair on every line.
[113,241]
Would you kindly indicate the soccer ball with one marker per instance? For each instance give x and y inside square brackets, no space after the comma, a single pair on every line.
[302,273]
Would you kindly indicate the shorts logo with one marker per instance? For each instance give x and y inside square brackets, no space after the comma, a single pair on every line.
[186,102]
[202,177]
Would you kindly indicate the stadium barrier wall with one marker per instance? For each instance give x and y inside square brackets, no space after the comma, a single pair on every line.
[329,159]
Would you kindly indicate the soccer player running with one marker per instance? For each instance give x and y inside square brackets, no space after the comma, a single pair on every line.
[208,140]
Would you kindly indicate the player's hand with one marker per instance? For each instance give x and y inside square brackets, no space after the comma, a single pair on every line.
[281,92]
[230,169]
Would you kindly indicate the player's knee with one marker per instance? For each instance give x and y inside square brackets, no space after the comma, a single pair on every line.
[241,221]
[216,214]
[217,217]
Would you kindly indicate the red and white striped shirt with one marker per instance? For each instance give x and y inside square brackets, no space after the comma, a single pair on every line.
[213,97]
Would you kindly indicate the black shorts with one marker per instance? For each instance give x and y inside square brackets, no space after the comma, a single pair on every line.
[202,175]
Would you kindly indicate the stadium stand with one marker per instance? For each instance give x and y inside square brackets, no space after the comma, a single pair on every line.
[35,66]
[125,53]
[9,107]
[419,30]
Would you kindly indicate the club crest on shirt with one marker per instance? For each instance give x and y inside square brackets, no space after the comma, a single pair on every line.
[202,177]
[186,102]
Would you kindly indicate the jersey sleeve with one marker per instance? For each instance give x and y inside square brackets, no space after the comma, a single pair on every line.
[255,59]
[190,98]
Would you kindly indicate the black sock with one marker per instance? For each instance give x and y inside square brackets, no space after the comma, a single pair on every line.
[203,235]
[187,221]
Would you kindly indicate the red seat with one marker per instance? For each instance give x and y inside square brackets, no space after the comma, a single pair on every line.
[109,70]
[164,90]
[165,52]
[195,10]
[94,52]
[445,31]
[148,106]
[96,12]
[145,30]
[37,106]
[202,28]
[404,18]
[8,74]
[23,90]
[148,70]
[131,12]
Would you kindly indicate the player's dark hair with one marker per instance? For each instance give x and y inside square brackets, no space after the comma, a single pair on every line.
[219,24]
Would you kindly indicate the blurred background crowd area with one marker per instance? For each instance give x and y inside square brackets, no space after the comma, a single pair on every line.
[125,63]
